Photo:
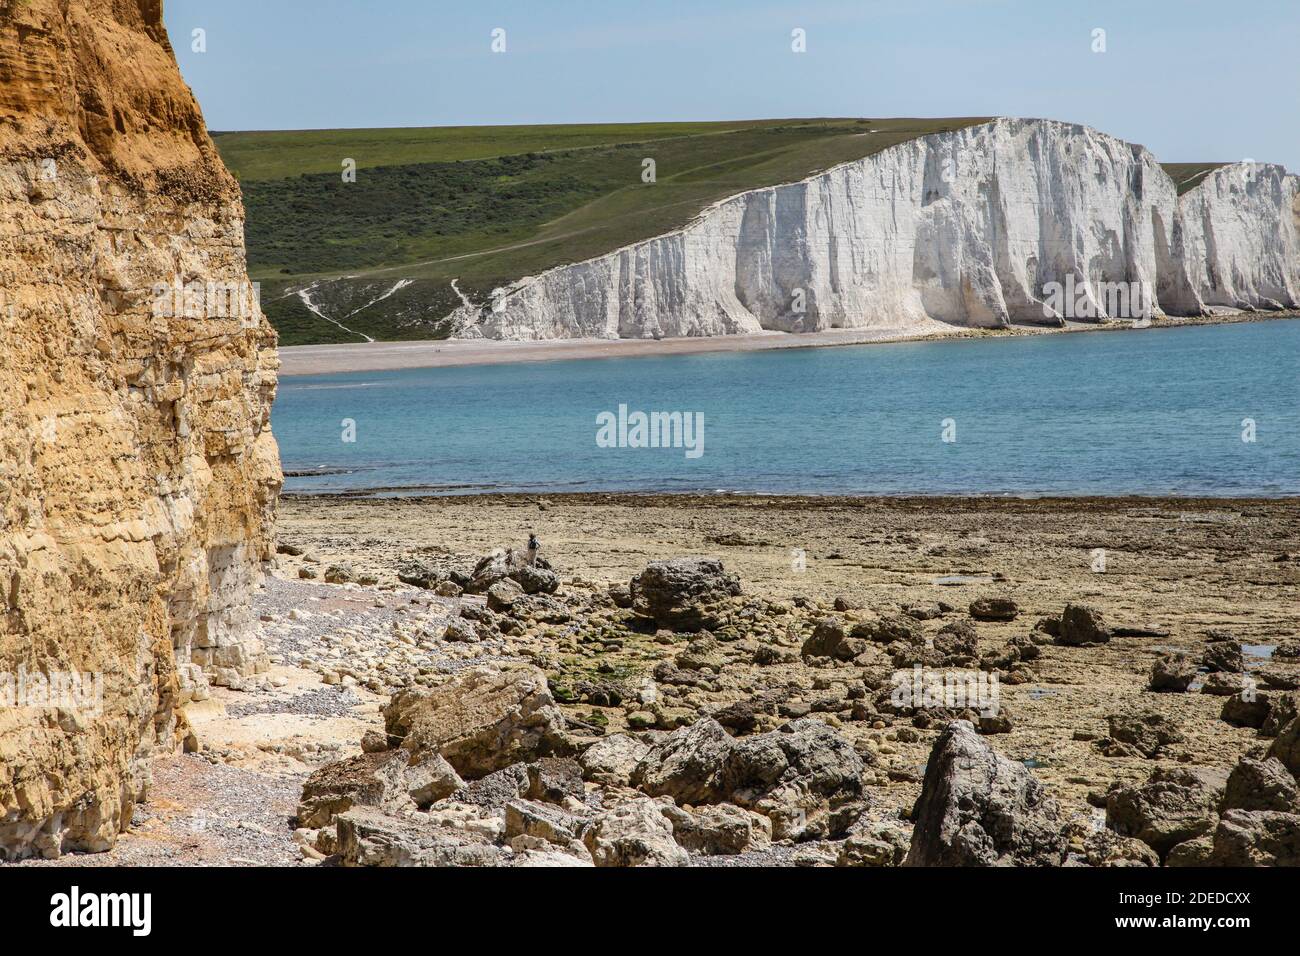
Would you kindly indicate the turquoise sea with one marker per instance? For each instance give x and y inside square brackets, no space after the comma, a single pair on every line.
[1153,412]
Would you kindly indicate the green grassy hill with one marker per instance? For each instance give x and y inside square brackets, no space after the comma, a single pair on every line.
[1187,176]
[486,205]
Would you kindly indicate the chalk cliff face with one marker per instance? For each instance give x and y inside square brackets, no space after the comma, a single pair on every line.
[137,469]
[969,227]
[1238,245]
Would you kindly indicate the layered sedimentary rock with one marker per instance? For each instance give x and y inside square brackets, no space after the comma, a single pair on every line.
[137,469]
[971,227]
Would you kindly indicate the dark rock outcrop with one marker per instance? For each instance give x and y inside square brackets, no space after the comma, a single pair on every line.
[1286,747]
[1223,656]
[1261,785]
[1246,710]
[830,639]
[977,808]
[1173,806]
[1173,672]
[994,609]
[1144,734]
[1082,624]
[1256,838]
[683,593]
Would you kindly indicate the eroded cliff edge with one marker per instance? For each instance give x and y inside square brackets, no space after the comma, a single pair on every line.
[968,228]
[138,473]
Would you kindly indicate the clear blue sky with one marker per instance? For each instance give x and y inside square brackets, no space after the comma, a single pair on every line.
[1191,79]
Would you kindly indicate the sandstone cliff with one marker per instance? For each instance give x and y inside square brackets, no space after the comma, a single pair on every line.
[137,469]
[968,227]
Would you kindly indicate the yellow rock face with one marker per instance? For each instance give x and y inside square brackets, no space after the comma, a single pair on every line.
[138,474]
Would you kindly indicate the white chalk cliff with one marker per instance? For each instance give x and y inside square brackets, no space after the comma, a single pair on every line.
[968,227]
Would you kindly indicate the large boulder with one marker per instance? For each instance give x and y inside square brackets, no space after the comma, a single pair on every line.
[534,576]
[480,721]
[1261,785]
[1173,672]
[1286,747]
[688,765]
[958,642]
[339,574]
[874,844]
[1246,710]
[994,609]
[535,579]
[488,571]
[368,836]
[613,759]
[1082,624]
[831,639]
[634,833]
[806,755]
[1173,806]
[1224,656]
[1191,852]
[1223,684]
[795,775]
[889,628]
[1283,708]
[418,574]
[1141,733]
[502,595]
[683,593]
[543,821]
[1256,838]
[395,780]
[977,808]
[718,830]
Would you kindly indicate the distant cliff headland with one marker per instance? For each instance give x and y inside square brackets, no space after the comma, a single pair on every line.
[667,230]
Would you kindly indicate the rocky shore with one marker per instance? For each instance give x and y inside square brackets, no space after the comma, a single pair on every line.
[749,681]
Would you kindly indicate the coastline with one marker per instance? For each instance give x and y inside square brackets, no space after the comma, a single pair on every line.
[879,553]
[772,499]
[302,360]
[787,501]
[334,644]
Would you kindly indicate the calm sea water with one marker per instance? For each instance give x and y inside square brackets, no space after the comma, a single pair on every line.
[1159,411]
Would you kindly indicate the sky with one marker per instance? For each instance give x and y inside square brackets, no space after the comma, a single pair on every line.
[1193,80]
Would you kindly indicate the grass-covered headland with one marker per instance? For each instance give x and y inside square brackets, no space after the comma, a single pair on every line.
[487,205]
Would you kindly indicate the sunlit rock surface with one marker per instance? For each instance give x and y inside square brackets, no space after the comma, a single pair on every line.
[969,228]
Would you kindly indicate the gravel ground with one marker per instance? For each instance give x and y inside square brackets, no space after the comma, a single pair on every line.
[233,803]
[202,813]
[814,853]
[326,702]
[378,637]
